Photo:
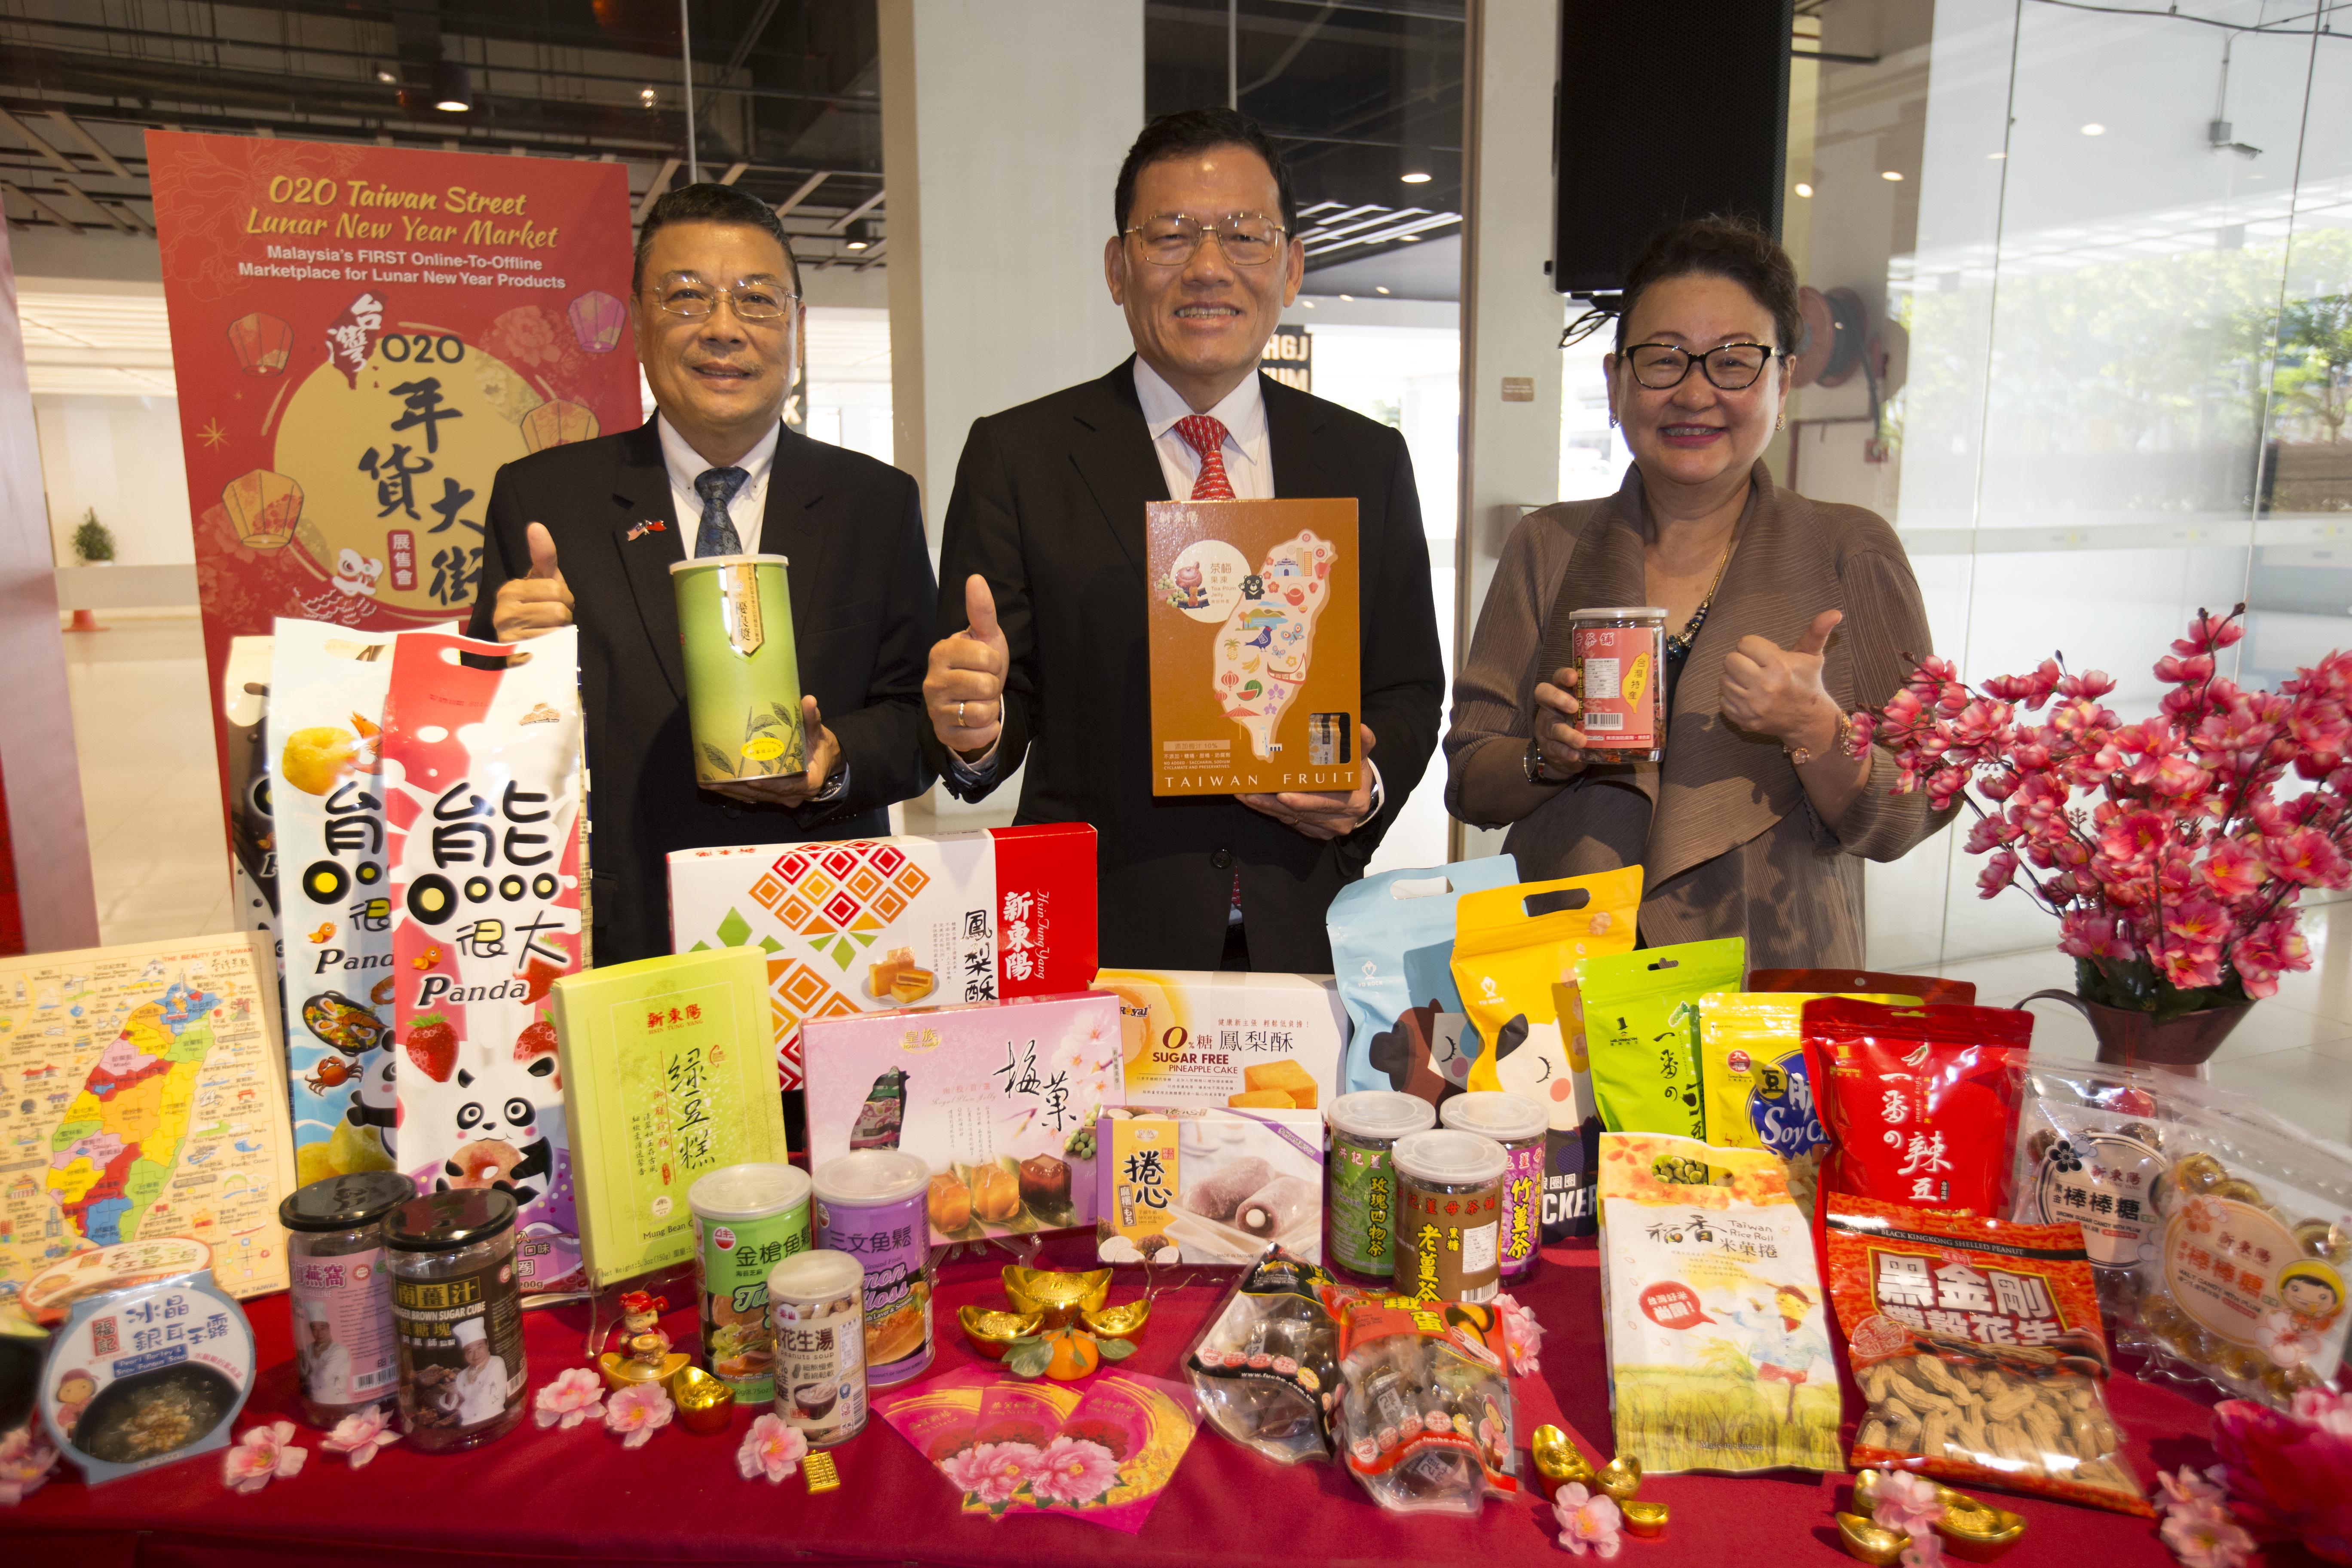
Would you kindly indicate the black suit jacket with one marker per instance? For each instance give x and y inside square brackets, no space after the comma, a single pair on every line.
[1048,506]
[861,596]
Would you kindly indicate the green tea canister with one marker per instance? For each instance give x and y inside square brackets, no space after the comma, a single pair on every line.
[743,673]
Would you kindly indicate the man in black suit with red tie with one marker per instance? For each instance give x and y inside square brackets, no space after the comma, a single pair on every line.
[585,534]
[1042,652]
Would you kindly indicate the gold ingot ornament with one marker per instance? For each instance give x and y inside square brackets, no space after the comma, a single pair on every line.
[991,1333]
[1124,1322]
[1972,1529]
[1559,1461]
[1621,1478]
[1058,1296]
[1643,1519]
[705,1404]
[1868,1543]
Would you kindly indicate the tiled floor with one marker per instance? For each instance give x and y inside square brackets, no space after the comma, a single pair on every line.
[149,784]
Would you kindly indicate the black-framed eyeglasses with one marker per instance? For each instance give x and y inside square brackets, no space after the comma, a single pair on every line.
[1172,239]
[687,294]
[1734,367]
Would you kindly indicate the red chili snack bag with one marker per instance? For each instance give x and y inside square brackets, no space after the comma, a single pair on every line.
[1920,1103]
[1977,1345]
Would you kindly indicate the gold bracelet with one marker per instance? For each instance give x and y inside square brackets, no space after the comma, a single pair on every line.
[1801,755]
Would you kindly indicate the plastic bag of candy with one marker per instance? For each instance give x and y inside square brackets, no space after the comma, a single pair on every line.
[2221,1236]
[1266,1368]
[1977,1345]
[1425,1418]
[1920,1103]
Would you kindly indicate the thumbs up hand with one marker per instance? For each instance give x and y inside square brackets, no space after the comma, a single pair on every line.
[964,688]
[1776,691]
[537,602]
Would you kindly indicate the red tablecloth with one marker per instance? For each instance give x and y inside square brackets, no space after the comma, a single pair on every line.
[580,1498]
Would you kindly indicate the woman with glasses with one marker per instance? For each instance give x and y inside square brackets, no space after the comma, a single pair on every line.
[1782,615]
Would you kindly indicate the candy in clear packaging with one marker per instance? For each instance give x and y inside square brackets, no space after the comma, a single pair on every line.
[1425,1418]
[1267,1367]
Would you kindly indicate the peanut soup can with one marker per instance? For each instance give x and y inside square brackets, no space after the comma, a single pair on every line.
[1621,670]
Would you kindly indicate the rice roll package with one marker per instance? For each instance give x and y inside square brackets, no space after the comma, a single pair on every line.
[1393,946]
[1513,949]
[1641,1021]
[1712,1309]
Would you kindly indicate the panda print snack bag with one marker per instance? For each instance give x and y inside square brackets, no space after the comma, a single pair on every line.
[484,796]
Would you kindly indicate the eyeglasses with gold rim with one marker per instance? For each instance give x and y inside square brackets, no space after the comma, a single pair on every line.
[1171,239]
[685,294]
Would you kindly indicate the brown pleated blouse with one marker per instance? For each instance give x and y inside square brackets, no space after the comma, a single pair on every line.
[1728,842]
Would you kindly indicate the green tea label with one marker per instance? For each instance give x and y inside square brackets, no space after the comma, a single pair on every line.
[1363,1207]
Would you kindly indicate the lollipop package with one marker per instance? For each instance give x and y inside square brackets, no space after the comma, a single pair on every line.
[1920,1103]
[1425,1418]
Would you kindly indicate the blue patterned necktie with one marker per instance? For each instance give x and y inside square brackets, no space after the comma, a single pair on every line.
[717,536]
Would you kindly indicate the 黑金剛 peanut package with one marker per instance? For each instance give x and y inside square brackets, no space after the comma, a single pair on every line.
[1978,1347]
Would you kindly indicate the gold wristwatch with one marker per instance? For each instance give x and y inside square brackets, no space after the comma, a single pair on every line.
[1801,755]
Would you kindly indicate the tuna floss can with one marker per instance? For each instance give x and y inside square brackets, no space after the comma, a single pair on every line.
[1522,1127]
[816,1305]
[869,1204]
[1449,1216]
[1361,1209]
[1621,677]
[742,676]
[747,1219]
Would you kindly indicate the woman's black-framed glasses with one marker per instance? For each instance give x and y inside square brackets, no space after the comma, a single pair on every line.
[1172,239]
[1734,367]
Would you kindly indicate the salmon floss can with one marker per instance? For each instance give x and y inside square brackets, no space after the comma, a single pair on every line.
[747,1219]
[1620,654]
[869,1204]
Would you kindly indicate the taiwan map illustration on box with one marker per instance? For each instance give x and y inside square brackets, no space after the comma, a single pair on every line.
[1255,658]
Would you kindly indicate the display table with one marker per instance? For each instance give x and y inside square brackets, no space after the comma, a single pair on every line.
[580,1498]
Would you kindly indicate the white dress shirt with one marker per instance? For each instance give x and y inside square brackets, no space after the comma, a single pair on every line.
[1249,461]
[751,499]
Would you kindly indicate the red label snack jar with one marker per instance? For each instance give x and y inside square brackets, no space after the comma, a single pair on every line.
[1621,679]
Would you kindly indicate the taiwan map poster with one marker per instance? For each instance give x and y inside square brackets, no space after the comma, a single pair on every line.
[145,1098]
[361,336]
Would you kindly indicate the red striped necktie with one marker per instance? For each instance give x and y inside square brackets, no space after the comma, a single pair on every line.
[1206,435]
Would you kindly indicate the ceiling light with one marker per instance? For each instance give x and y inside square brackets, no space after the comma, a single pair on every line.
[1894,174]
[855,245]
[1803,189]
[1410,238]
[1996,157]
[646,97]
[2094,128]
[1308,303]
[1380,287]
[453,86]
[1415,179]
[384,76]
[1350,299]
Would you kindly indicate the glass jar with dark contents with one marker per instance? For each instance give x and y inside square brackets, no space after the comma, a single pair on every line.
[1620,681]
[339,1291]
[456,1308]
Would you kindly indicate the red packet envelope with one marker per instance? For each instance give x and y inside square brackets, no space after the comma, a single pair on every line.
[936,1416]
[1015,1425]
[1117,1451]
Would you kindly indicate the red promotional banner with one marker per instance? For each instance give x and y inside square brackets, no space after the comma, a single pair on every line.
[361,336]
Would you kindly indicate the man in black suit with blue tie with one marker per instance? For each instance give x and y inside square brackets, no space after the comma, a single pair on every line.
[585,534]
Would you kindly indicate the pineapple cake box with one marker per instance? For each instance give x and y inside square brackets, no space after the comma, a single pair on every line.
[1252,626]
[1270,1042]
[999,1100]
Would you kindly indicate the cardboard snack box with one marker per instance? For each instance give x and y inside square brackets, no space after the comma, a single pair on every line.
[1217,1186]
[1001,1099]
[871,925]
[1268,1042]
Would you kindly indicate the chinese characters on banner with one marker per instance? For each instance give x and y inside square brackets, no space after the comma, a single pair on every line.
[361,337]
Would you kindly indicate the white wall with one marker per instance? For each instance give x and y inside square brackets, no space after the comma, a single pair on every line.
[121,455]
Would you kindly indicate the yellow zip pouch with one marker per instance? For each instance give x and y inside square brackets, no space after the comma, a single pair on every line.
[1507,960]
[1641,1013]
[1751,1069]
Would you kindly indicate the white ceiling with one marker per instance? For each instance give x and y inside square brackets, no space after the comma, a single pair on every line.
[83,336]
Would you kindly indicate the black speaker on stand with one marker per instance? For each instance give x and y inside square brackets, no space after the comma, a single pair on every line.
[1666,112]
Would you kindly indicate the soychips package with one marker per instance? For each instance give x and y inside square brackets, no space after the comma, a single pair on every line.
[327,688]
[483,792]
[1920,1103]
[2219,1236]
[1512,946]
[1426,1421]
[1641,1015]
[1717,1328]
[1976,1342]
[1751,1072]
[1391,944]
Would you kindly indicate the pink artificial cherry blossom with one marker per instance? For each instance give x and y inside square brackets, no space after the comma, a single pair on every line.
[635,1413]
[26,1459]
[1909,1503]
[261,1455]
[1522,1335]
[362,1435]
[1588,1522]
[577,1395]
[773,1447]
